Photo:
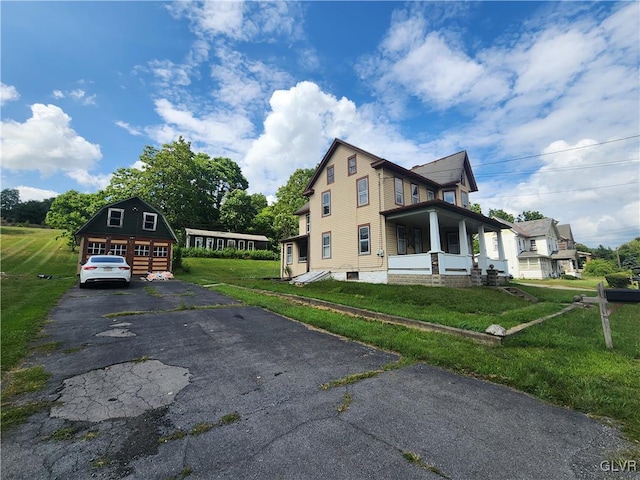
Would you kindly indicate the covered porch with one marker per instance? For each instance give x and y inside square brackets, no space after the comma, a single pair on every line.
[432,243]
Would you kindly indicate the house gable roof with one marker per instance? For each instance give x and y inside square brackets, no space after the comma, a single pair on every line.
[448,170]
[132,224]
[532,228]
[565,231]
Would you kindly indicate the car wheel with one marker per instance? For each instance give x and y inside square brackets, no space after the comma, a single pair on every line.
[82,285]
[126,284]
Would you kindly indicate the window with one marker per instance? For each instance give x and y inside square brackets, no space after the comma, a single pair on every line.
[326,203]
[198,242]
[399,188]
[465,199]
[326,245]
[430,195]
[241,244]
[532,244]
[289,253]
[363,191]
[415,194]
[330,174]
[250,245]
[141,250]
[450,196]
[302,251]
[231,243]
[209,243]
[454,243]
[308,221]
[160,251]
[364,243]
[149,221]
[220,244]
[402,239]
[417,239]
[352,167]
[353,275]
[115,217]
[118,250]
[95,248]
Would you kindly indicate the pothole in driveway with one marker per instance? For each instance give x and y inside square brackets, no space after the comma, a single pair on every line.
[121,390]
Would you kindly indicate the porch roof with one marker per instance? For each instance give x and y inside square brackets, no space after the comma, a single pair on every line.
[448,215]
[294,239]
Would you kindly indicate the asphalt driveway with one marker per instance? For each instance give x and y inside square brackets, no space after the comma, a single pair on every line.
[167,380]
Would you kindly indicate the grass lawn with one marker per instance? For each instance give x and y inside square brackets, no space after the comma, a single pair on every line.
[563,360]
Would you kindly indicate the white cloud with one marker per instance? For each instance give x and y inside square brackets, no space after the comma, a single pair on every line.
[8,93]
[86,179]
[45,142]
[132,130]
[31,193]
[77,95]
[58,94]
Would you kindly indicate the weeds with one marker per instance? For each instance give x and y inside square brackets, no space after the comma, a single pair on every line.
[346,403]
[202,427]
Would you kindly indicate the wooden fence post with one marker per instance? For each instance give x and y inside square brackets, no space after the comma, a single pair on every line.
[604,316]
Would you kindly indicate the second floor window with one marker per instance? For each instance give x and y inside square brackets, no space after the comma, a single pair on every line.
[115,217]
[149,221]
[532,245]
[326,204]
[449,196]
[430,195]
[415,194]
[465,199]
[352,167]
[308,221]
[399,191]
[363,191]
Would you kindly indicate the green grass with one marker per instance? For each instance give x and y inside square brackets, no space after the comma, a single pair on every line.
[25,298]
[586,282]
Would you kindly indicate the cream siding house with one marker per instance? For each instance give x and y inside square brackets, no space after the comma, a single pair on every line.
[371,220]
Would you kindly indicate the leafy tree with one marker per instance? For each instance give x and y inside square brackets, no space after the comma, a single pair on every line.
[237,211]
[32,211]
[71,210]
[600,267]
[629,254]
[289,198]
[263,223]
[475,207]
[259,201]
[528,215]
[603,252]
[499,213]
[188,187]
[9,199]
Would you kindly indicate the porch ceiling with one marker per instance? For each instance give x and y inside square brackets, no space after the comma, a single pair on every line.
[448,216]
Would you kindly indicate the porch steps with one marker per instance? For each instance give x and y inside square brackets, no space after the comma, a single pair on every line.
[310,277]
[516,292]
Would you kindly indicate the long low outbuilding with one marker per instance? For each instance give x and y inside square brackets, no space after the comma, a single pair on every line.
[215,240]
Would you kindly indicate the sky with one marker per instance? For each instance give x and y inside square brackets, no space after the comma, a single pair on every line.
[544,96]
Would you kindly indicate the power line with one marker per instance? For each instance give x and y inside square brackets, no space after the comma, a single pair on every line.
[561,151]
[579,167]
[564,191]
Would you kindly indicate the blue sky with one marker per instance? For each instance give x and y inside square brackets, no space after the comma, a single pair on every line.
[544,96]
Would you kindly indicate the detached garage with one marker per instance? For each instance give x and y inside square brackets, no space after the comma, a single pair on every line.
[133,229]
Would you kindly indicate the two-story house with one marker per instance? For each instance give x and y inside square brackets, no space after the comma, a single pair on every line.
[531,248]
[368,219]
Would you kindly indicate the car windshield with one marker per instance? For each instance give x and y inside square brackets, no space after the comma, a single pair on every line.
[106,259]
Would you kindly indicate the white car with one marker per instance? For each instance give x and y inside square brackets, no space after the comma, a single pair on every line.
[105,268]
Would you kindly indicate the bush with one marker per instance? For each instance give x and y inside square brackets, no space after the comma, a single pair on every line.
[230,253]
[566,276]
[600,267]
[618,280]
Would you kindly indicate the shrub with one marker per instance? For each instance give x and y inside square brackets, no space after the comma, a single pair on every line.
[230,253]
[599,267]
[566,276]
[618,280]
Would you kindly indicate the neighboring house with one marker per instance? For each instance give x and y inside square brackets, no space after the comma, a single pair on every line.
[213,240]
[371,220]
[533,250]
[567,257]
[131,228]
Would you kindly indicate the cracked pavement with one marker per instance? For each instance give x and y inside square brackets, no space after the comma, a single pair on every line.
[147,398]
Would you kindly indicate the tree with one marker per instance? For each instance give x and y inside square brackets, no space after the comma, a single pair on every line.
[71,210]
[188,187]
[629,254]
[32,211]
[499,213]
[289,199]
[237,211]
[475,207]
[263,223]
[600,267]
[9,199]
[528,215]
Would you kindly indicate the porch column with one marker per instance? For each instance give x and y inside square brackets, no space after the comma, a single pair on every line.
[501,255]
[434,231]
[463,239]
[483,247]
